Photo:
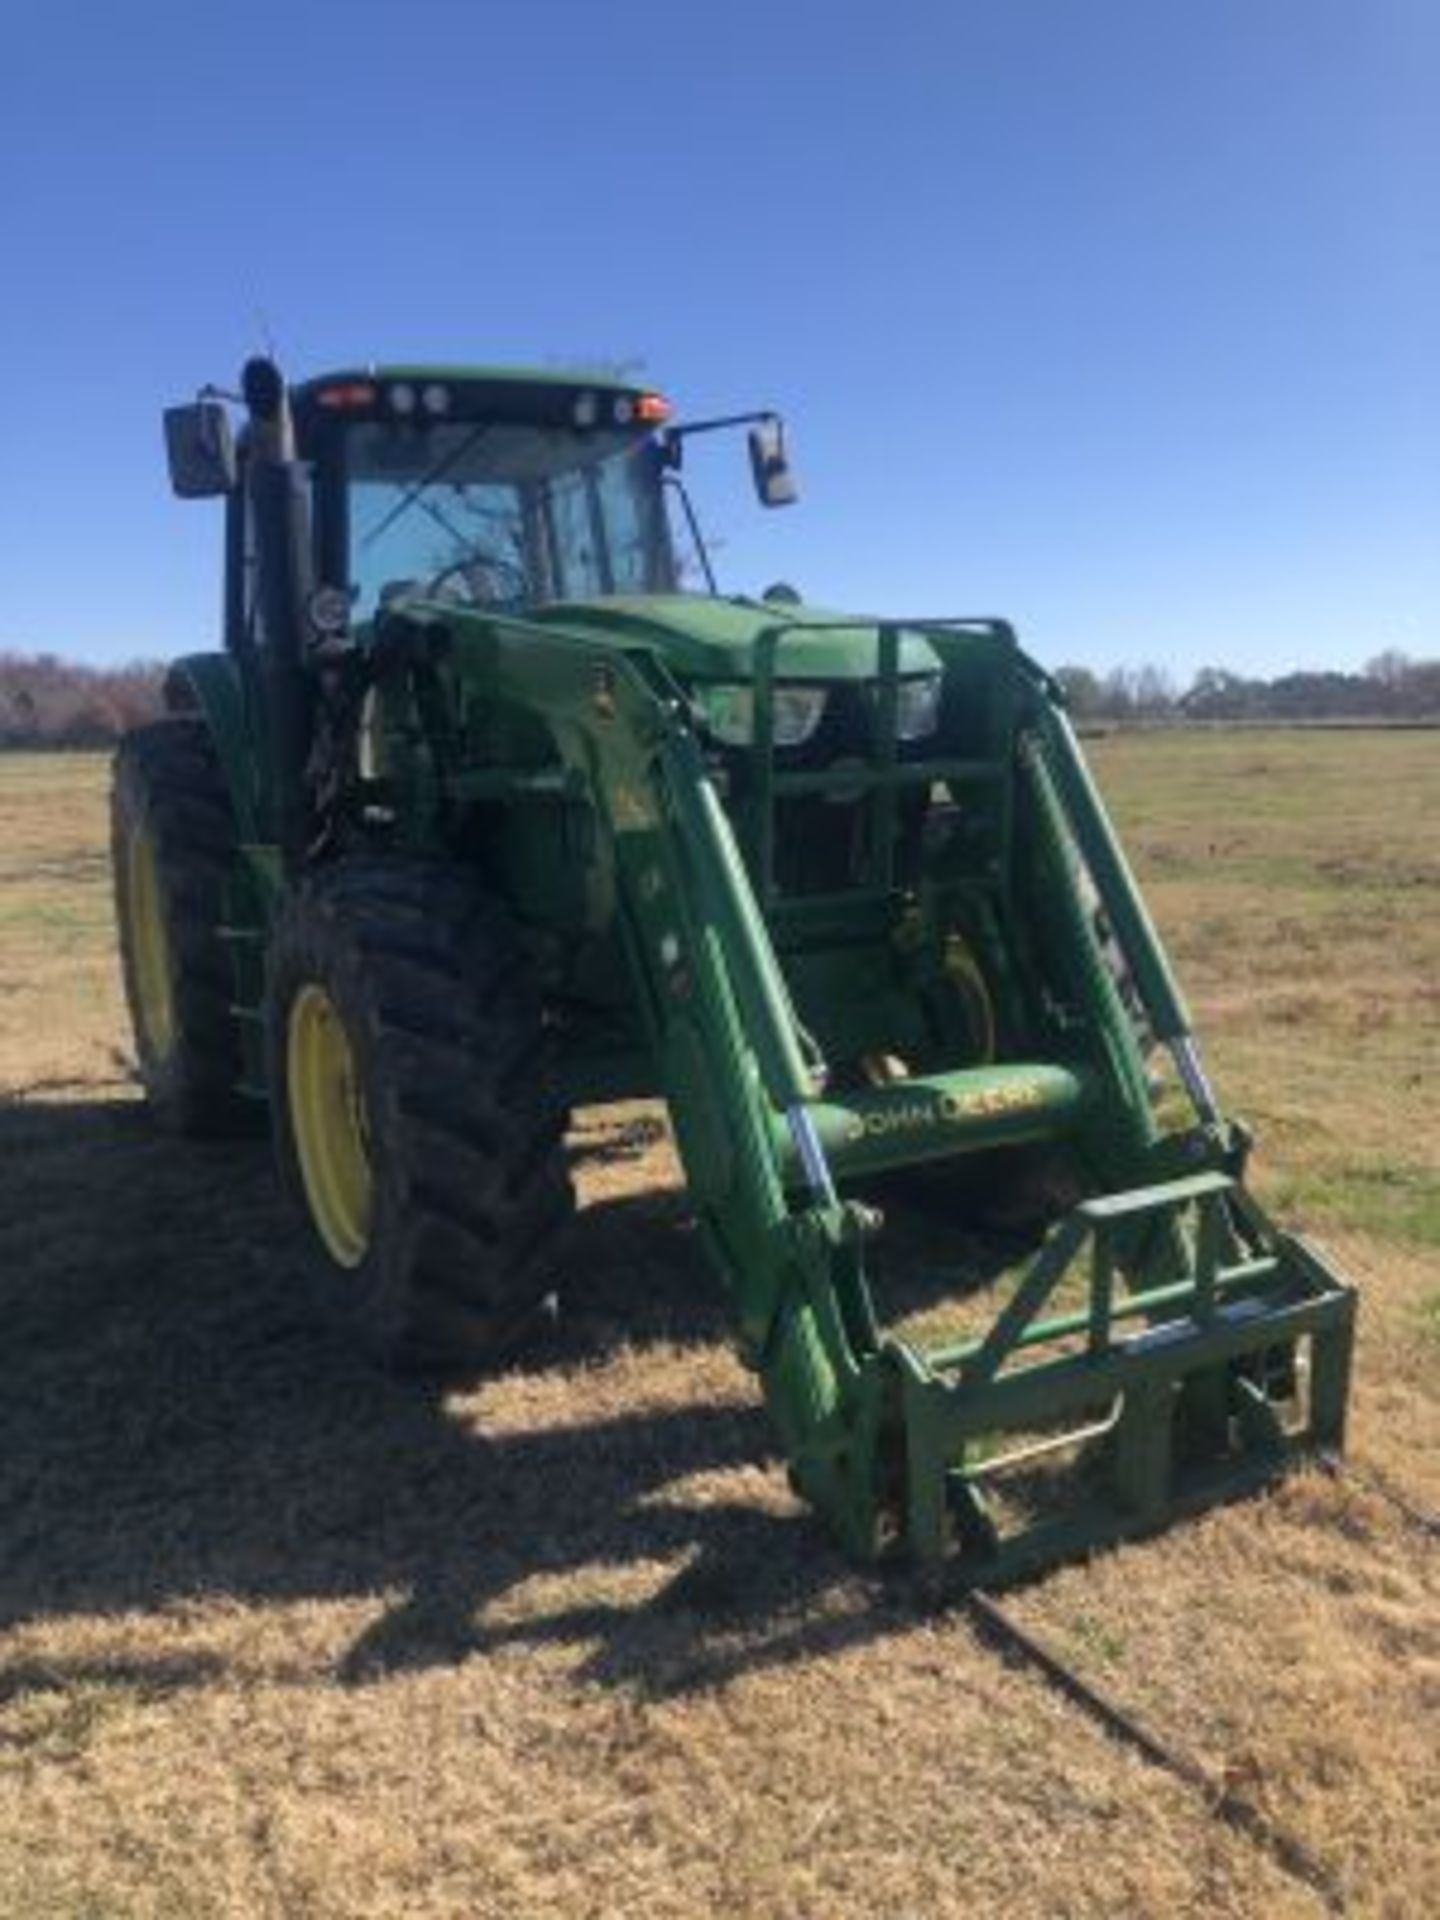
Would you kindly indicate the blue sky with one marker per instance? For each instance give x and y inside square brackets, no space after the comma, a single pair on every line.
[1120,317]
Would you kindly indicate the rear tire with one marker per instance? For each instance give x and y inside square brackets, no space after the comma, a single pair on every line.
[417,1125]
[173,845]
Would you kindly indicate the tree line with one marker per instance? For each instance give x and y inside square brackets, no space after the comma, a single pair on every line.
[1392,688]
[49,702]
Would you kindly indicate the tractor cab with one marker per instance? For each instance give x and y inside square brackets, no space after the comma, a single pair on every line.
[481,489]
[500,489]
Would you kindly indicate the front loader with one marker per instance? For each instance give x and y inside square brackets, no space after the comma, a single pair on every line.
[479,817]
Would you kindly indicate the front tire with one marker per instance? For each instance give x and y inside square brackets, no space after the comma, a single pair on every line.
[417,1127]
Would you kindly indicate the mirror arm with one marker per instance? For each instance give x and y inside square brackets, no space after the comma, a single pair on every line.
[673,438]
[674,481]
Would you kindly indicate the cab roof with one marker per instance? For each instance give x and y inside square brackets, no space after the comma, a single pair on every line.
[426,393]
[421,371]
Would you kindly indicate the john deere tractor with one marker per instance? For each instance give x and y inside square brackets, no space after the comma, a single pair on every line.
[480,815]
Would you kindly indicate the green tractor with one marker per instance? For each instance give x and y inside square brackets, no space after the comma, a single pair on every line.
[479,816]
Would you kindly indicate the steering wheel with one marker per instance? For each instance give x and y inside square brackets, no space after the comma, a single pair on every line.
[482,578]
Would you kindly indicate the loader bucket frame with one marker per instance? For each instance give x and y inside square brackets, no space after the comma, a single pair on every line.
[1184,1408]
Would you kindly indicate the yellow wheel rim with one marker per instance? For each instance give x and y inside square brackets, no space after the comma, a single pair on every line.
[329,1126]
[149,944]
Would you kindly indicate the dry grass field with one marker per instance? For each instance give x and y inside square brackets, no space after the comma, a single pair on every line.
[282,1638]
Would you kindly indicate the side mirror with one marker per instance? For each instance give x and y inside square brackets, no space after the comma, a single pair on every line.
[201,450]
[774,482]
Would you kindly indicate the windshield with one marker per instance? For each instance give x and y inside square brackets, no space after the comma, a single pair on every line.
[502,515]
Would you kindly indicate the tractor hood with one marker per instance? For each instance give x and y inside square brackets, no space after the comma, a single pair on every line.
[700,638]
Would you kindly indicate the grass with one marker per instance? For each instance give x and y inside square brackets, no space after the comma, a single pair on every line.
[280,1637]
[1297,877]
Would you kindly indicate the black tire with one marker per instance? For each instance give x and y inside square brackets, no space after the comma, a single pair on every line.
[469,1186]
[170,806]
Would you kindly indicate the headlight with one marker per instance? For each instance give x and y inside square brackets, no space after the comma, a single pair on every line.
[727,713]
[917,707]
[798,712]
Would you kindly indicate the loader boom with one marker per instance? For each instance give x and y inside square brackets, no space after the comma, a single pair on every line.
[1162,1353]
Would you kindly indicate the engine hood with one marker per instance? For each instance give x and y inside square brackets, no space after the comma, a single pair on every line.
[704,638]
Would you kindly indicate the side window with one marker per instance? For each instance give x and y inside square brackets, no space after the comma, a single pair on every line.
[573,519]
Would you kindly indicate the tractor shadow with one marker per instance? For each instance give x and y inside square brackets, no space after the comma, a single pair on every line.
[177,1419]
